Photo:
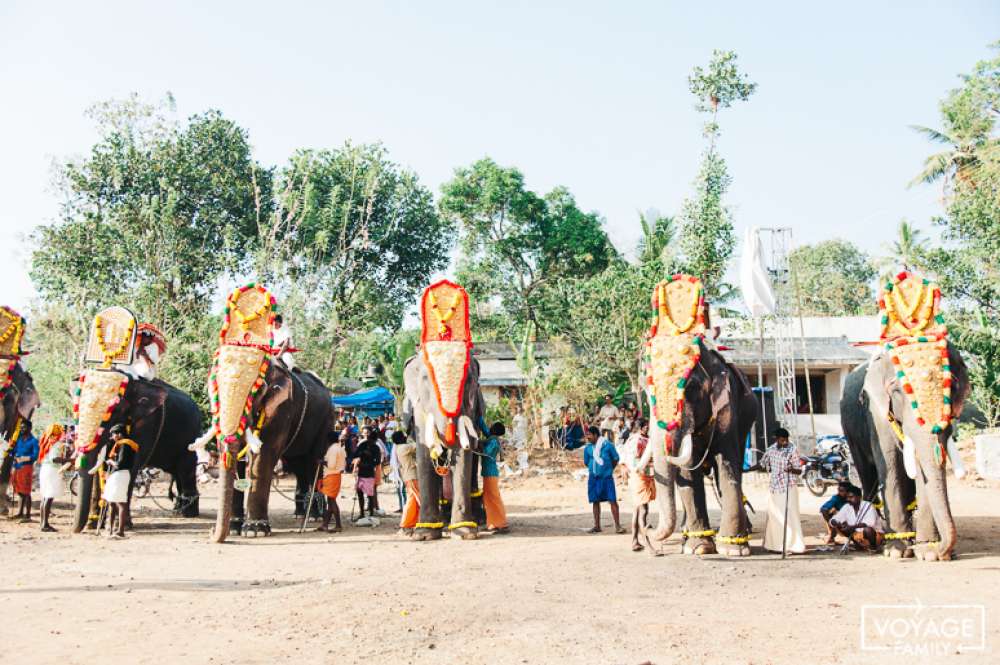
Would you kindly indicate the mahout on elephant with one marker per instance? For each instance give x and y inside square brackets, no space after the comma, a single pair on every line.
[443,411]
[702,410]
[18,397]
[262,413]
[897,411]
[160,418]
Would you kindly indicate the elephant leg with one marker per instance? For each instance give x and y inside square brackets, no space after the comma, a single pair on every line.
[187,487]
[429,523]
[897,490]
[733,532]
[697,534]
[261,470]
[239,500]
[463,522]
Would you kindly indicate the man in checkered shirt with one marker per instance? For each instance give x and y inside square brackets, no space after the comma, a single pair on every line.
[784,464]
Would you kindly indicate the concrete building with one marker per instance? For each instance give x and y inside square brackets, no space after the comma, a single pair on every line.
[833,347]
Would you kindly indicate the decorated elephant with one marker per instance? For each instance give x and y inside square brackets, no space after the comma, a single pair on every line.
[160,418]
[18,397]
[897,412]
[702,412]
[443,411]
[262,413]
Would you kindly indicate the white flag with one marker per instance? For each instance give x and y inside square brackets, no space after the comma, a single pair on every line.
[754,282]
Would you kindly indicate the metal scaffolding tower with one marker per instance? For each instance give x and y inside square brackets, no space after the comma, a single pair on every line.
[782,325]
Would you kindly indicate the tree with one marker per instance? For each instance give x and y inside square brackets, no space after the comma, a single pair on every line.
[515,243]
[352,241]
[966,266]
[834,279]
[656,245]
[706,238]
[152,218]
[908,250]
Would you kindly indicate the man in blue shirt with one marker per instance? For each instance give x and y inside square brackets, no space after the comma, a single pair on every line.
[830,508]
[25,453]
[600,458]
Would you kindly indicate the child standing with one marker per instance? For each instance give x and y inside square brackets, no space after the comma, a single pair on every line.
[335,463]
[496,514]
[366,464]
[600,458]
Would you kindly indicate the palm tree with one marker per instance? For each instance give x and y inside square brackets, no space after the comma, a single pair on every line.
[907,250]
[965,155]
[658,234]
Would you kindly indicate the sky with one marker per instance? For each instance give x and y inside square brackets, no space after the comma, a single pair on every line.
[589,95]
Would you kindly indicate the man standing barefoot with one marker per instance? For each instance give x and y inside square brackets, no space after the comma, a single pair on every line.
[600,457]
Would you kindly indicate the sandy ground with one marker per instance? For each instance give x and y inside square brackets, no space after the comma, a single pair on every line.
[546,593]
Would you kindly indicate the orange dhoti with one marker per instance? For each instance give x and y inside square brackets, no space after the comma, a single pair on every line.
[643,488]
[496,514]
[20,479]
[330,486]
[411,512]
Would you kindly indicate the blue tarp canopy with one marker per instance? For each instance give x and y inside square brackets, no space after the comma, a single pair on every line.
[372,401]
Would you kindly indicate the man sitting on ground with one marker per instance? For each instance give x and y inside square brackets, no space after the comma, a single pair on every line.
[859,522]
[830,508]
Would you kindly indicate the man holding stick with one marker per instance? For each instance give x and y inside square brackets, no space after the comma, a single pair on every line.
[783,532]
[859,522]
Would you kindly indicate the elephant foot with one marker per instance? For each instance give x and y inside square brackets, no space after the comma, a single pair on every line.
[465,533]
[898,550]
[735,546]
[254,528]
[931,552]
[699,546]
[236,525]
[426,534]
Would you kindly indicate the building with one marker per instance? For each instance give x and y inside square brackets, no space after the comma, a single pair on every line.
[831,347]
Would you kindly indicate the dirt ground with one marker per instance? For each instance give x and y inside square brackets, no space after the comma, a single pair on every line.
[546,593]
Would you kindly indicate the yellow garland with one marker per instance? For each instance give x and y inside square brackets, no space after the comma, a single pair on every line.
[734,540]
[707,533]
[428,525]
[447,316]
[901,535]
[667,317]
[926,294]
[912,505]
[126,339]
[246,319]
[476,494]
[459,525]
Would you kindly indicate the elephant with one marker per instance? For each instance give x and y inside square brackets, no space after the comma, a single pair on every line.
[718,414]
[162,420]
[294,413]
[871,396]
[19,401]
[426,424]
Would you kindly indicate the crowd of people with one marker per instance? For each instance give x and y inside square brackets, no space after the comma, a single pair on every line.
[374,450]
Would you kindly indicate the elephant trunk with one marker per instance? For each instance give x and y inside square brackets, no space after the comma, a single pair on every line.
[936,494]
[225,512]
[85,490]
[665,475]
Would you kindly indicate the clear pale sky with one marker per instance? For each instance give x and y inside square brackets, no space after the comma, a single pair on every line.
[590,95]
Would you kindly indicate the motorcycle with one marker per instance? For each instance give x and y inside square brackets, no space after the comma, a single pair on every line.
[830,465]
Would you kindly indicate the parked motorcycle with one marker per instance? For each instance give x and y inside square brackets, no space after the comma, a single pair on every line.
[830,465]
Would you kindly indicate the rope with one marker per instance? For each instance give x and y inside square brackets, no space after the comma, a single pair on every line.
[707,533]
[429,525]
[159,432]
[734,540]
[302,416]
[901,535]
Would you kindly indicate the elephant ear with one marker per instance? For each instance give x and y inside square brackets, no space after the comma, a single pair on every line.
[147,398]
[28,400]
[879,384]
[273,393]
[960,385]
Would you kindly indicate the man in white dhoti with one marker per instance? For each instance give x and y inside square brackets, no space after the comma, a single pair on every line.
[859,522]
[784,464]
[120,461]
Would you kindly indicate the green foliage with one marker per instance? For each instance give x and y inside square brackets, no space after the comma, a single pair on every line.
[834,278]
[966,267]
[516,244]
[656,245]
[907,251]
[719,86]
[707,239]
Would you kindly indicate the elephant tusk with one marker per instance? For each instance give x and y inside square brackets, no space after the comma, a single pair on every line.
[99,463]
[430,436]
[684,457]
[202,441]
[909,457]
[254,441]
[466,431]
[956,460]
